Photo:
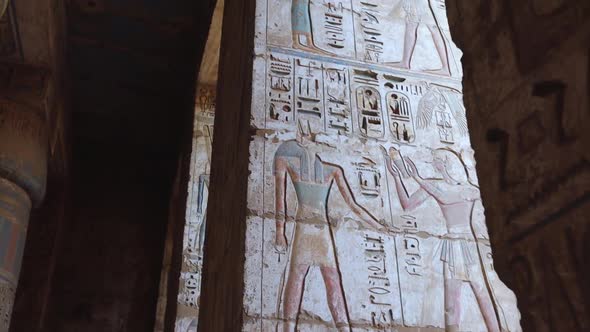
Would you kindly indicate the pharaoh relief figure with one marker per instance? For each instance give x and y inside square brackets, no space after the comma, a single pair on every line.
[312,244]
[421,12]
[456,197]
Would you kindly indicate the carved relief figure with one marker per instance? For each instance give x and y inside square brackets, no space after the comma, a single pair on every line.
[420,12]
[301,26]
[312,244]
[456,198]
[446,107]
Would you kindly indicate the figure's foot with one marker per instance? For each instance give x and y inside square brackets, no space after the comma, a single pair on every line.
[343,327]
[289,326]
[311,49]
[399,64]
[452,328]
[304,42]
[442,72]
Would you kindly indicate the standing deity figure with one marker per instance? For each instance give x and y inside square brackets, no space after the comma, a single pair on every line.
[312,244]
[456,198]
[301,26]
[421,12]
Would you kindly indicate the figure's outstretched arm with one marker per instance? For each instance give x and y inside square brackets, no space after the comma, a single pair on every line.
[408,202]
[368,219]
[446,197]
[280,181]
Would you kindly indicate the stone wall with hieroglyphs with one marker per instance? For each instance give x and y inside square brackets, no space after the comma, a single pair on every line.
[196,213]
[527,84]
[364,204]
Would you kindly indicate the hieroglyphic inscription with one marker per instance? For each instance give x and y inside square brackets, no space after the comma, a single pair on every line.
[339,114]
[371,30]
[281,89]
[412,253]
[334,24]
[369,177]
[368,104]
[309,93]
[378,283]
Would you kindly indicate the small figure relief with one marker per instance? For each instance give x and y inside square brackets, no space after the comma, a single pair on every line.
[400,118]
[206,100]
[446,107]
[411,246]
[281,89]
[371,31]
[369,177]
[379,285]
[312,244]
[337,87]
[419,12]
[456,198]
[197,239]
[309,92]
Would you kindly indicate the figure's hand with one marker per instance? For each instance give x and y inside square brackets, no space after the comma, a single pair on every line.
[412,169]
[281,242]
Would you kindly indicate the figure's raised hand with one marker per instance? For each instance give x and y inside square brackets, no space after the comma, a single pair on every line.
[393,169]
[411,167]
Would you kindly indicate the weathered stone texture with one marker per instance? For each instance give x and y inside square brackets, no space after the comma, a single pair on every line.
[527,86]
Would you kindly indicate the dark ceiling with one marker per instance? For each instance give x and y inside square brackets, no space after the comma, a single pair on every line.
[132,68]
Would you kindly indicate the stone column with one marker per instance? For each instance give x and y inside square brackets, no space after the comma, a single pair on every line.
[23,172]
[344,195]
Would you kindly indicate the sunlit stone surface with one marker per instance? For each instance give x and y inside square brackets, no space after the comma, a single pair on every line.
[365,207]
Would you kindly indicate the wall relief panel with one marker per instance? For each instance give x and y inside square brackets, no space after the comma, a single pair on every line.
[365,209]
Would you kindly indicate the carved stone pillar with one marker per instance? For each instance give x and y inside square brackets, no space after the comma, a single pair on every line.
[23,172]
[343,187]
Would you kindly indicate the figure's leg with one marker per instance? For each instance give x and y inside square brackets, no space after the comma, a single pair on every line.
[439,43]
[452,301]
[410,39]
[336,300]
[293,294]
[486,306]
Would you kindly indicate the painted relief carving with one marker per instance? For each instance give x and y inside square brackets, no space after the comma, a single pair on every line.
[391,33]
[421,12]
[400,114]
[302,26]
[312,244]
[339,114]
[368,102]
[281,89]
[196,214]
[456,197]
[309,91]
[443,108]
[364,209]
